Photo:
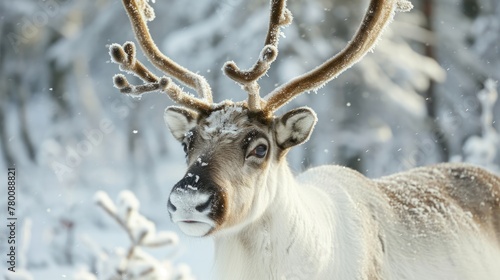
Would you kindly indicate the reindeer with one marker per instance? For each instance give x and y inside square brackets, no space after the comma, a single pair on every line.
[330,222]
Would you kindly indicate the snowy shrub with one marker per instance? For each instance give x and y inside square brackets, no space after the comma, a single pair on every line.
[134,262]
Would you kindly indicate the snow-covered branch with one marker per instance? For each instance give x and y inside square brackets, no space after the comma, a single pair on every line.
[134,262]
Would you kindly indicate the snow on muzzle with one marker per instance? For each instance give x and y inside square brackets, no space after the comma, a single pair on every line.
[195,203]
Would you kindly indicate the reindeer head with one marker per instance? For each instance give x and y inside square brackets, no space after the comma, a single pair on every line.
[233,149]
[232,154]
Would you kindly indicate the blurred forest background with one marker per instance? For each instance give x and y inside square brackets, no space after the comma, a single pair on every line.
[426,94]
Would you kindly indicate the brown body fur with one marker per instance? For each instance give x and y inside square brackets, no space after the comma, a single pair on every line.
[430,192]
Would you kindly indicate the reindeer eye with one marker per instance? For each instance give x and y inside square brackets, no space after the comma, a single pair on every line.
[260,151]
[187,142]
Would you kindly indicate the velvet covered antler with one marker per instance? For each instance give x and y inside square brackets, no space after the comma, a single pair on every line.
[139,12]
[378,15]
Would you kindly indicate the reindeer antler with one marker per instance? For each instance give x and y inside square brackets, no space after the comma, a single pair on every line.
[139,11]
[280,16]
[378,15]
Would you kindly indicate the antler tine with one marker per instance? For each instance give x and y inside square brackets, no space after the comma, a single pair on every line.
[280,16]
[378,15]
[163,84]
[139,11]
[125,57]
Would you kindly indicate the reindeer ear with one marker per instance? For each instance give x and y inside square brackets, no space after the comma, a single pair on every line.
[295,127]
[180,120]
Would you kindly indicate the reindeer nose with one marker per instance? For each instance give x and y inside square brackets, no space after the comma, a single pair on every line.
[189,202]
[187,198]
